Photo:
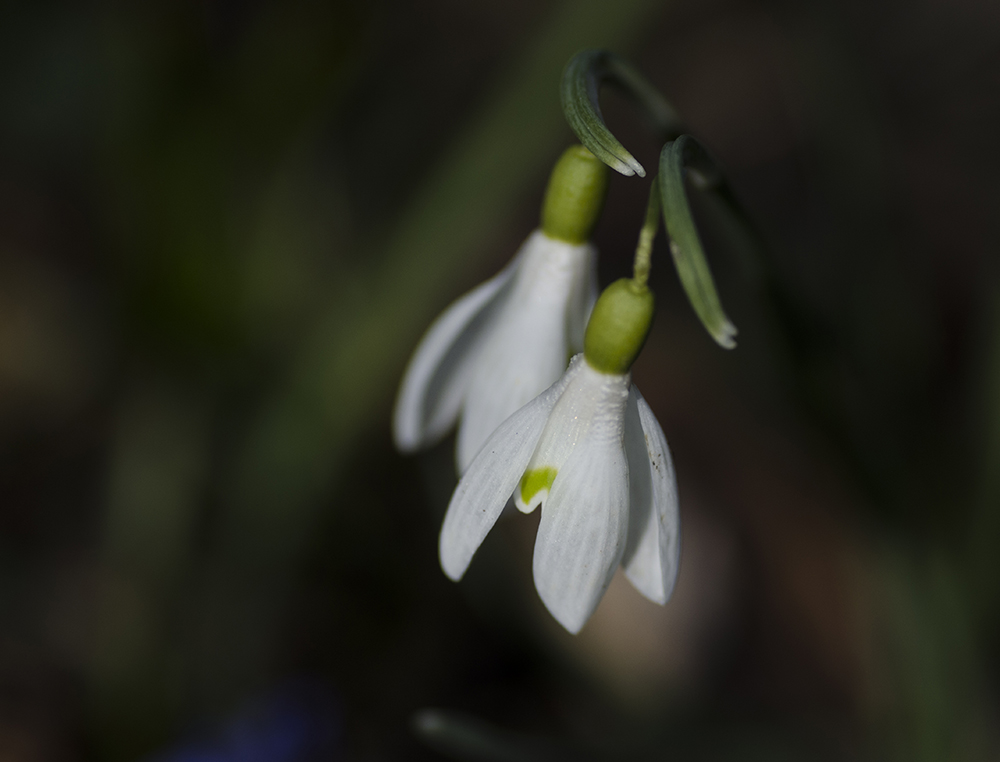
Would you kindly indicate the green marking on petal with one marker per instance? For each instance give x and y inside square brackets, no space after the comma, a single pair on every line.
[535,480]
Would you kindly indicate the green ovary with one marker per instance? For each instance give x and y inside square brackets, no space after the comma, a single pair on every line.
[535,480]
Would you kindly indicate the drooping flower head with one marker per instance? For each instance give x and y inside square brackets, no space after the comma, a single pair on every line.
[587,449]
[503,343]
[590,452]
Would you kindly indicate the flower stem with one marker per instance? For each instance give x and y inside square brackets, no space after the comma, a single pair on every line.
[644,250]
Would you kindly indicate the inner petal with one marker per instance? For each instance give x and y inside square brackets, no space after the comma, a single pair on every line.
[590,397]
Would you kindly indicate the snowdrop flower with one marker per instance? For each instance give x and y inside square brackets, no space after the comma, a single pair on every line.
[502,344]
[590,452]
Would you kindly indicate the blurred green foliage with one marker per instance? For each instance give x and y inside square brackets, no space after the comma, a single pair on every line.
[223,227]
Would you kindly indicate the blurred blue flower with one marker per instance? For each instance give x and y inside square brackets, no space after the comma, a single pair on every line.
[299,722]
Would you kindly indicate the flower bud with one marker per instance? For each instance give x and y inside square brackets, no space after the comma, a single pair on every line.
[618,327]
[575,196]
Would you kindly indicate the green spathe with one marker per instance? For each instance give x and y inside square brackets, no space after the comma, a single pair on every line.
[618,327]
[575,196]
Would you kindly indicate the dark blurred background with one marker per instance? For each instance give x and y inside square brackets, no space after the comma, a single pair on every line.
[223,228]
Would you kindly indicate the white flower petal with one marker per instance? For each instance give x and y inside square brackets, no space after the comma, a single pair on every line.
[584,296]
[584,524]
[590,397]
[582,532]
[568,423]
[527,349]
[485,488]
[641,560]
[438,375]
[525,354]
[651,554]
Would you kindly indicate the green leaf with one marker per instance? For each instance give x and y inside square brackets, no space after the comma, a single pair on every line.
[581,83]
[680,158]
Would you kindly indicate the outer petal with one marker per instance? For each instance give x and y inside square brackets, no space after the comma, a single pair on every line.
[651,555]
[485,488]
[582,302]
[582,533]
[524,355]
[438,375]
[528,346]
